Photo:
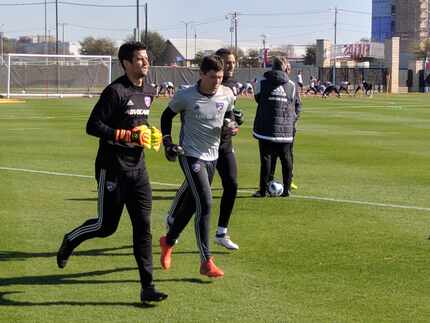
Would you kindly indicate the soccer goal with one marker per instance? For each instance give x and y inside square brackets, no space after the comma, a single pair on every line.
[56,75]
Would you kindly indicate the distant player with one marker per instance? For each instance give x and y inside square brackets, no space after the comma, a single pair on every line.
[330,89]
[365,87]
[248,89]
[300,81]
[167,88]
[344,87]
[312,86]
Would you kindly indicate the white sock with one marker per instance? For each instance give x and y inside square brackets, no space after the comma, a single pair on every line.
[221,231]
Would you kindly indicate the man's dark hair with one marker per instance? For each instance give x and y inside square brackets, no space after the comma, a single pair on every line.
[211,63]
[126,51]
[224,52]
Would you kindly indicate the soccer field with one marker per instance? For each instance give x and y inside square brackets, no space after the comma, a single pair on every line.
[350,245]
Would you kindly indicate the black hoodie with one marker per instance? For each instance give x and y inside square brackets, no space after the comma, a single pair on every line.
[278,107]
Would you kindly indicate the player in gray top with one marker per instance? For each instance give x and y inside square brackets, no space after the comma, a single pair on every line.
[203,108]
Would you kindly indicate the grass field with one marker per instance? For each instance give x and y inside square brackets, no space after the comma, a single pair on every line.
[350,245]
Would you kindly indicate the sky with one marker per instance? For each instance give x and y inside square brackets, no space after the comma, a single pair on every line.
[281,22]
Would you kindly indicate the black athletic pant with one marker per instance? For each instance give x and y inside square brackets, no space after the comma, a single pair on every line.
[274,160]
[268,152]
[194,196]
[227,169]
[116,189]
[342,88]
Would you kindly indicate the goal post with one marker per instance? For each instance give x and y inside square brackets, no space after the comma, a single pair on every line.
[57,75]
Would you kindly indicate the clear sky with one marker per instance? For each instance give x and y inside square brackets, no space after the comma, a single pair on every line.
[282,21]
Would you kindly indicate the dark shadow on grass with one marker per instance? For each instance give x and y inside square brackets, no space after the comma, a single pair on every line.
[94,199]
[84,278]
[4,301]
[22,255]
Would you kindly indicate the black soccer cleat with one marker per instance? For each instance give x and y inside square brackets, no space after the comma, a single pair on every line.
[64,253]
[150,294]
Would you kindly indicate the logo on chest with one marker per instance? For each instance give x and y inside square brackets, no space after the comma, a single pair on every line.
[219,105]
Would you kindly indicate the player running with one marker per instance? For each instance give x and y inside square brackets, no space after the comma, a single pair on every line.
[226,164]
[120,120]
[203,109]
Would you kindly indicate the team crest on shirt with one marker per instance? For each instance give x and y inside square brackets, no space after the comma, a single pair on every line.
[196,167]
[219,105]
[147,101]
[111,186]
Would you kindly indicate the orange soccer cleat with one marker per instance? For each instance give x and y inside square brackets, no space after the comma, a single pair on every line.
[166,253]
[208,268]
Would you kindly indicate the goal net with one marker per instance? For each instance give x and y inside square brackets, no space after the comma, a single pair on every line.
[55,75]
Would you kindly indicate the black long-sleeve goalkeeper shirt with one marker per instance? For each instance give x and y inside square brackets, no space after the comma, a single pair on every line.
[122,105]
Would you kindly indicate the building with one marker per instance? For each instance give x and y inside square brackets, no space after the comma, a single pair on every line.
[411,22]
[406,19]
[383,22]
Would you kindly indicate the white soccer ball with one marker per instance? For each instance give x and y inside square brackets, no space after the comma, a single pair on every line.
[275,188]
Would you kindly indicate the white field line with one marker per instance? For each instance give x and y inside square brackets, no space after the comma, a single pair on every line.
[306,197]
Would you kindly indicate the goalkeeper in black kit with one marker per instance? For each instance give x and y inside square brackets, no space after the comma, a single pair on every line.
[120,120]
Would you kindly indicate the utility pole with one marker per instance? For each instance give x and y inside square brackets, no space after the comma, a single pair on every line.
[334,46]
[235,33]
[137,36]
[234,17]
[46,29]
[186,23]
[146,24]
[56,27]
[264,50]
[63,45]
[1,45]
[195,41]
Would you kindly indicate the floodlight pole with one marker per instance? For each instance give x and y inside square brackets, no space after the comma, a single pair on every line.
[46,29]
[264,50]
[146,25]
[186,23]
[56,27]
[235,33]
[137,22]
[334,47]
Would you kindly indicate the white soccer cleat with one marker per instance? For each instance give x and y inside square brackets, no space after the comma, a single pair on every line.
[226,242]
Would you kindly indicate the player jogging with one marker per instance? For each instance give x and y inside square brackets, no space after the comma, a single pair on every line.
[120,120]
[203,108]
[226,164]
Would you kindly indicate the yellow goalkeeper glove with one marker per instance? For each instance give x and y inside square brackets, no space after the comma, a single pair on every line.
[142,136]
[156,138]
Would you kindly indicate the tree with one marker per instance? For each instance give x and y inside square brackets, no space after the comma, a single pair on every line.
[198,58]
[310,55]
[9,45]
[155,45]
[250,60]
[422,50]
[100,46]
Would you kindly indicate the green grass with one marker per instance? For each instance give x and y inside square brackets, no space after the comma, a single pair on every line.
[301,259]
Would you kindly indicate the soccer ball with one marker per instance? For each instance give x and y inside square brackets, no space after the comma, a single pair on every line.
[275,188]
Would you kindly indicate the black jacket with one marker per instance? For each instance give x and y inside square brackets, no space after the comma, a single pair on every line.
[278,107]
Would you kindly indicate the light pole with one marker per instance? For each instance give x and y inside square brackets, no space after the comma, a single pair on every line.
[334,46]
[46,29]
[1,44]
[186,23]
[264,49]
